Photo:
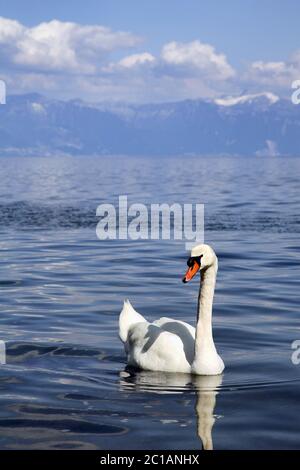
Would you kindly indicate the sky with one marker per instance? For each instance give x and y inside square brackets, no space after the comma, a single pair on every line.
[149,51]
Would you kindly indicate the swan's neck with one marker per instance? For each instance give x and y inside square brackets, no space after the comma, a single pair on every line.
[204,343]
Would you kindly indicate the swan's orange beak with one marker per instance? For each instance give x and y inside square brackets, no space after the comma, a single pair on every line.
[191,272]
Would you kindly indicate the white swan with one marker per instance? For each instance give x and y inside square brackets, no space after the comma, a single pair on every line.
[172,345]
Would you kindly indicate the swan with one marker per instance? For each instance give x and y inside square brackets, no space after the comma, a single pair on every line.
[169,345]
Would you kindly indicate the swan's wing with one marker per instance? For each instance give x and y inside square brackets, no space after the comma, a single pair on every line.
[164,321]
[151,347]
[165,345]
[127,318]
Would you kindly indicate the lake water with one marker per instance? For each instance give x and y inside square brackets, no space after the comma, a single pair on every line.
[65,384]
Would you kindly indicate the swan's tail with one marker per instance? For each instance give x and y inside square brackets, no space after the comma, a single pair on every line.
[127,318]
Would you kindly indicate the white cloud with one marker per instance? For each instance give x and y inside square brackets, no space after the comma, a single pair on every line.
[181,71]
[59,46]
[198,57]
[278,74]
[272,67]
[69,60]
[10,30]
[136,59]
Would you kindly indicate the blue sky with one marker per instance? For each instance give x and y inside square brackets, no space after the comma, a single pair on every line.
[178,49]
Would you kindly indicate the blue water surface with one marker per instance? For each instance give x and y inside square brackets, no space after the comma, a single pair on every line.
[65,384]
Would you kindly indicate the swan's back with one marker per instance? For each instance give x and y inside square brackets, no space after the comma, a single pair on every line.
[166,344]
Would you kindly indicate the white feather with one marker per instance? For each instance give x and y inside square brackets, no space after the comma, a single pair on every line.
[172,345]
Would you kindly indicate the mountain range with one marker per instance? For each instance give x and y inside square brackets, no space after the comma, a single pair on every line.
[257,124]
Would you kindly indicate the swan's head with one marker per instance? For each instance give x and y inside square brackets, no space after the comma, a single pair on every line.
[202,257]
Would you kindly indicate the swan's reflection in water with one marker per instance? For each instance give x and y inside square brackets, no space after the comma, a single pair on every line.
[206,389]
[206,392]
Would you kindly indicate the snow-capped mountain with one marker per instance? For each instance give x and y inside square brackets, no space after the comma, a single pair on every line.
[260,124]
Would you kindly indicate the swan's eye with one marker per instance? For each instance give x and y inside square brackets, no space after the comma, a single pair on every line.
[190,262]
